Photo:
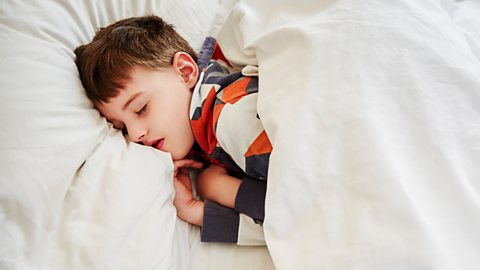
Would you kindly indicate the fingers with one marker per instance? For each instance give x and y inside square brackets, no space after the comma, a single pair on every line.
[182,184]
[185,163]
[185,180]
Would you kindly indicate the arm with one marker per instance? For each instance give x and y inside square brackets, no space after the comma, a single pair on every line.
[216,185]
[213,183]
[219,223]
[245,196]
[225,198]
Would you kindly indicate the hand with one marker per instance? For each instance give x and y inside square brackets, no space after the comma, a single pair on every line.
[182,183]
[185,163]
[188,208]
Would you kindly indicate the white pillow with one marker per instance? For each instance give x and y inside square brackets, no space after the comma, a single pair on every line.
[55,214]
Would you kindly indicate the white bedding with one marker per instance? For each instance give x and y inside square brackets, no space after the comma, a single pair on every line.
[373,109]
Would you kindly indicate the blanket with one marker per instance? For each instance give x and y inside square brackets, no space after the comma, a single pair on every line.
[373,110]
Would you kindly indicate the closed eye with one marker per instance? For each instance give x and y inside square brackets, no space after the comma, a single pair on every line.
[141,111]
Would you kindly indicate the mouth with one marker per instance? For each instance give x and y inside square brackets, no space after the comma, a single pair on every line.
[158,144]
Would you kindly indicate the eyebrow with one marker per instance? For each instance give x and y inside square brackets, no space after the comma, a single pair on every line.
[132,98]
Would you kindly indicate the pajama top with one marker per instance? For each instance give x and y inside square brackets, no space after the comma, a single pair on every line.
[227,128]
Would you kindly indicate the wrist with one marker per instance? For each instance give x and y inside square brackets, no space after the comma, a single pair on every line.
[192,212]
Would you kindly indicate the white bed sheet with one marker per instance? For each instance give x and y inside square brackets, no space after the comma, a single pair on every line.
[373,109]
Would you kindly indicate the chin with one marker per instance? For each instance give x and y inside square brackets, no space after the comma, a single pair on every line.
[179,155]
[182,153]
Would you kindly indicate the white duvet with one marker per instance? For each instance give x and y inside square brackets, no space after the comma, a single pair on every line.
[373,109]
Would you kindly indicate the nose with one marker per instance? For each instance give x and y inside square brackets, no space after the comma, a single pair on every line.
[136,131]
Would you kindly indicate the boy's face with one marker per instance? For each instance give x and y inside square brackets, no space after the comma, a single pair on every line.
[154,107]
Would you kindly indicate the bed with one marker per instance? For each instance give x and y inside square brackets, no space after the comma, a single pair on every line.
[372,107]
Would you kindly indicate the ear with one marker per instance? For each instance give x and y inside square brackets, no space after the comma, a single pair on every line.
[186,67]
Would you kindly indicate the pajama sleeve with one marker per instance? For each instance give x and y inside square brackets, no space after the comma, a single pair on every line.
[220,223]
[242,225]
[250,198]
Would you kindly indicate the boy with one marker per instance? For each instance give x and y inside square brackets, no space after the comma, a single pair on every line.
[147,80]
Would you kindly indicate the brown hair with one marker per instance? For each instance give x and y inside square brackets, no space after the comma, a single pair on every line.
[104,64]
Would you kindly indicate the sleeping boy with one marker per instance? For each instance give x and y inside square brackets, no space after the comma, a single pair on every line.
[147,81]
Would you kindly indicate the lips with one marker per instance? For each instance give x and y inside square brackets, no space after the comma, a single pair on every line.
[158,144]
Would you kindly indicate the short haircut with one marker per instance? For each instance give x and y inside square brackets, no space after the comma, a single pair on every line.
[105,63]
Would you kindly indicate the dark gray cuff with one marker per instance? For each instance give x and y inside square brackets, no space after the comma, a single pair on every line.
[250,198]
[220,224]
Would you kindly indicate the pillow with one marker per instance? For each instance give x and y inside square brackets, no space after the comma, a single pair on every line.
[119,207]
[70,186]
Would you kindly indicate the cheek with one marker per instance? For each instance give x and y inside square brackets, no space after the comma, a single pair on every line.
[172,110]
[179,106]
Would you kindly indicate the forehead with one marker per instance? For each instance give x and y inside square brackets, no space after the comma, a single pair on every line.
[112,109]
[132,85]
[143,81]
